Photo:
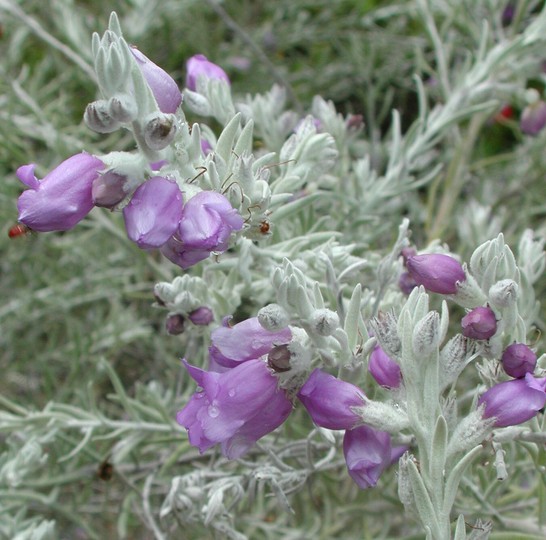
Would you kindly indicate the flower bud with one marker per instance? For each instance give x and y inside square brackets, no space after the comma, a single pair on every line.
[108,190]
[503,294]
[513,402]
[159,131]
[162,85]
[324,322]
[199,67]
[533,118]
[480,323]
[202,316]
[383,369]
[175,324]
[123,108]
[273,317]
[97,117]
[385,328]
[453,358]
[518,359]
[436,272]
[426,334]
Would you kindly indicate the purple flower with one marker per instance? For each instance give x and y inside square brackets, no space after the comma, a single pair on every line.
[436,272]
[154,212]
[480,323]
[245,341]
[207,221]
[329,400]
[518,359]
[367,454]
[198,66]
[384,370]
[514,402]
[62,198]
[162,85]
[234,408]
[533,118]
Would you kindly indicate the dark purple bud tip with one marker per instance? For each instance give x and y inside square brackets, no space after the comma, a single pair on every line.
[480,323]
[518,359]
[175,324]
[436,272]
[406,283]
[278,358]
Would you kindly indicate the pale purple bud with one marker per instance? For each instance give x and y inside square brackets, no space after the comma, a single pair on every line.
[153,214]
[175,324]
[62,198]
[533,118]
[514,402]
[162,85]
[245,341]
[108,189]
[202,316]
[480,323]
[198,66]
[229,410]
[436,272]
[383,369]
[206,147]
[329,400]
[518,360]
[367,454]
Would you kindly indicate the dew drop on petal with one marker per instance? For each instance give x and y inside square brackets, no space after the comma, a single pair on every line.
[213,411]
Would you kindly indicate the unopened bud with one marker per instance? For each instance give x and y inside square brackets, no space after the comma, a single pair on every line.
[97,117]
[202,316]
[123,108]
[273,317]
[385,328]
[324,322]
[436,272]
[453,358]
[518,359]
[503,294]
[426,334]
[159,131]
[175,324]
[480,323]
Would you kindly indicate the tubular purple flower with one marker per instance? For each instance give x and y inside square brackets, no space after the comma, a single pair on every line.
[153,214]
[234,408]
[514,402]
[384,369]
[367,454]
[518,360]
[199,66]
[162,85]
[207,221]
[329,400]
[533,118]
[62,198]
[247,340]
[436,272]
[480,323]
